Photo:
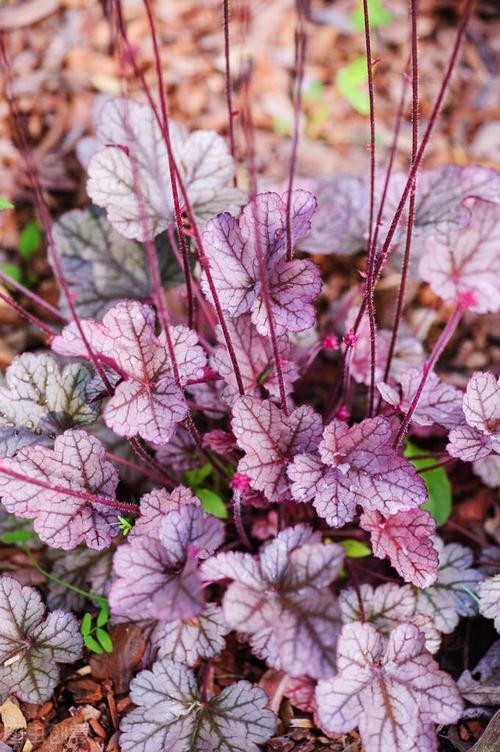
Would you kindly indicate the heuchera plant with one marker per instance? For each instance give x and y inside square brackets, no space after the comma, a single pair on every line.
[198,477]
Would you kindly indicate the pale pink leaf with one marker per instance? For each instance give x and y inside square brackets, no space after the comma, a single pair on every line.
[255,359]
[130,176]
[462,263]
[282,600]
[385,607]
[443,199]
[405,538]
[77,462]
[439,403]
[361,468]
[270,440]
[186,641]
[32,644]
[171,715]
[148,401]
[392,695]
[158,577]
[481,403]
[232,249]
[479,437]
[488,469]
[156,505]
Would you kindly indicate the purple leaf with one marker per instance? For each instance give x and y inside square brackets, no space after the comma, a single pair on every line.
[481,403]
[385,607]
[439,402]
[270,440]
[461,264]
[255,359]
[78,463]
[39,399]
[180,454]
[488,469]
[130,175]
[31,644]
[391,695]
[171,714]
[444,196]
[282,599]
[453,594]
[408,352]
[231,246]
[339,225]
[356,466]
[158,578]
[147,402]
[405,538]
[219,441]
[156,505]
[187,641]
[480,436]
[489,599]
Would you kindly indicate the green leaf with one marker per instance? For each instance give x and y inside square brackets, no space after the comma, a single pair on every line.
[125,525]
[352,83]
[437,482]
[103,616]
[5,204]
[86,625]
[211,502]
[379,16]
[12,270]
[196,477]
[104,639]
[355,549]
[92,644]
[16,536]
[30,241]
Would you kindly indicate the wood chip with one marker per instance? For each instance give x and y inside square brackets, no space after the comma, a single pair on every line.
[26,13]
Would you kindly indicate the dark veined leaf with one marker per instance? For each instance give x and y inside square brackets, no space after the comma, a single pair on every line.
[40,399]
[32,644]
[172,716]
[394,695]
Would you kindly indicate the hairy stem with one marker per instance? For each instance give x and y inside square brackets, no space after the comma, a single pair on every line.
[263,274]
[411,210]
[371,248]
[300,57]
[106,501]
[229,82]
[427,369]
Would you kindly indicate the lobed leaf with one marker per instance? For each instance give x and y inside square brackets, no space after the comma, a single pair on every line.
[130,175]
[147,402]
[356,466]
[405,538]
[31,644]
[171,715]
[281,599]
[393,695]
[270,440]
[460,265]
[77,462]
[232,248]
[40,399]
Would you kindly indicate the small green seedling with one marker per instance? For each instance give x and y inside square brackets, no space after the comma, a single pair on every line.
[95,637]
